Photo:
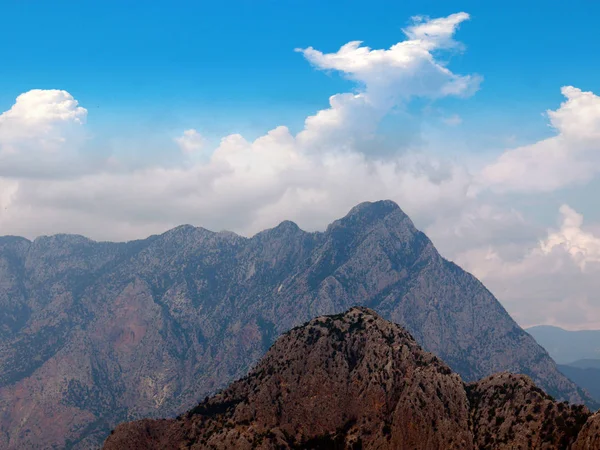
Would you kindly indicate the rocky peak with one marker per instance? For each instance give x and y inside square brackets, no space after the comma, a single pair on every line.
[351,381]
[356,381]
[286,229]
[365,216]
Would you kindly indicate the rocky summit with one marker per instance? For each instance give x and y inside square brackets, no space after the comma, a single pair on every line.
[96,333]
[356,381]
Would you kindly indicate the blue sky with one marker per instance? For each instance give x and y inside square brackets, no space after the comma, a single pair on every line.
[480,119]
[210,64]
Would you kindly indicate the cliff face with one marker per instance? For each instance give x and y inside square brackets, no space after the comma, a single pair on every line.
[356,381]
[92,334]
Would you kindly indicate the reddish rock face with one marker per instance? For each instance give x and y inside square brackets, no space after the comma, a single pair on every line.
[589,437]
[356,381]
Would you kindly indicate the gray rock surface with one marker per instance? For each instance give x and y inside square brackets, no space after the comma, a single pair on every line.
[94,333]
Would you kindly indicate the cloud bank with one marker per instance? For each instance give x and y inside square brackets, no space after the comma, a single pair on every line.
[51,181]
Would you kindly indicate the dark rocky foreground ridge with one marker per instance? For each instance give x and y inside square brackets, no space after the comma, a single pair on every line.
[93,333]
[356,381]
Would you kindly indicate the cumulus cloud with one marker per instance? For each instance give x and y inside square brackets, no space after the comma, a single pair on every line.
[572,156]
[48,184]
[39,115]
[386,78]
[583,247]
[554,280]
[247,185]
[40,132]
[191,141]
[407,69]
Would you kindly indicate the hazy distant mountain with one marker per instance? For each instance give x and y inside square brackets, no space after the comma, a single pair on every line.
[586,364]
[356,381]
[576,352]
[567,346]
[95,333]
[586,377]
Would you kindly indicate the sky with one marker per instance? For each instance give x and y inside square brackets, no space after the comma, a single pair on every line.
[481,120]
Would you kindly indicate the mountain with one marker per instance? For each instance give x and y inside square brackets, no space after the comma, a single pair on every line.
[585,364]
[96,333]
[356,381]
[567,346]
[576,352]
[586,377]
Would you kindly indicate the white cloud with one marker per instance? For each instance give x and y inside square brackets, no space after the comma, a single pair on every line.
[191,141]
[39,115]
[582,246]
[246,186]
[554,280]
[386,78]
[570,157]
[436,33]
[49,185]
[41,134]
[405,70]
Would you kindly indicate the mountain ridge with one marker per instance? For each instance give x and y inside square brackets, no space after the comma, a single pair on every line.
[148,325]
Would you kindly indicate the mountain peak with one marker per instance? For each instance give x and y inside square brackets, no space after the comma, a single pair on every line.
[357,381]
[351,380]
[287,226]
[367,214]
[380,208]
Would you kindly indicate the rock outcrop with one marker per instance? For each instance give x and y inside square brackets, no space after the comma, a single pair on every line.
[357,381]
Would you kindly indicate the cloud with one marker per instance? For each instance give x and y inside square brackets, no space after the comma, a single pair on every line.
[436,33]
[191,141]
[50,181]
[386,79]
[246,185]
[405,70]
[40,132]
[570,157]
[583,247]
[39,115]
[554,280]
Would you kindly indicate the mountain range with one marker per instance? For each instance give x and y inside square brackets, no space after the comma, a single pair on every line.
[576,352]
[96,333]
[566,346]
[355,381]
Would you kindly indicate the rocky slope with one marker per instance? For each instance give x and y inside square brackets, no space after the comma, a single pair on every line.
[93,333]
[589,436]
[356,381]
[509,412]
